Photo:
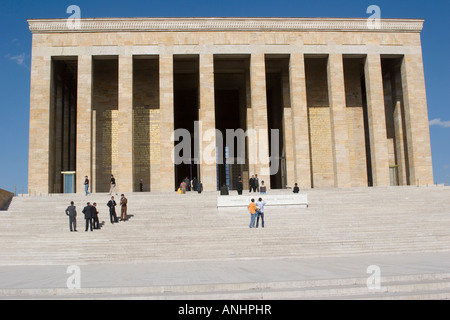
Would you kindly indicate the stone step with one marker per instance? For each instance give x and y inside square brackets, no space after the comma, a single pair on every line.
[172,227]
[420,286]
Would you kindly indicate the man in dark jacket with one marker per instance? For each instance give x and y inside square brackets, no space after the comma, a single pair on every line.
[89,216]
[71,212]
[112,210]
[251,184]
[239,185]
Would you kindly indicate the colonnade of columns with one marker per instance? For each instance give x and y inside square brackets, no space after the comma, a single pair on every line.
[296,131]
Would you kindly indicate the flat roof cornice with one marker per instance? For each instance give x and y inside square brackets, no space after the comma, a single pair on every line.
[221,24]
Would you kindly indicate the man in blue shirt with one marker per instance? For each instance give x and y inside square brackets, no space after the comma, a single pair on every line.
[260,212]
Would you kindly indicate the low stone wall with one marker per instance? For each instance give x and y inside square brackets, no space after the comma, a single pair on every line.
[299,200]
[5,199]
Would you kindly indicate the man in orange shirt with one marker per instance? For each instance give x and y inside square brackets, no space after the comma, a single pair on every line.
[252,208]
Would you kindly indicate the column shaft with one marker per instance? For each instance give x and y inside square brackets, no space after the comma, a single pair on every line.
[377,120]
[166,180]
[416,117]
[124,174]
[84,122]
[38,171]
[338,120]
[300,129]
[260,139]
[207,118]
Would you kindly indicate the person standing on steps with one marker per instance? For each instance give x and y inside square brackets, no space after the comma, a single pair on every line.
[71,212]
[262,188]
[86,185]
[123,205]
[88,216]
[95,212]
[252,209]
[260,212]
[251,184]
[112,187]
[256,184]
[112,210]
[296,189]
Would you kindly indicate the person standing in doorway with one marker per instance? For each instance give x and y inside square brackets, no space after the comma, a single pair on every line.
[123,205]
[194,184]
[112,210]
[239,185]
[112,187]
[252,209]
[86,185]
[188,184]
[71,212]
[260,212]
[224,190]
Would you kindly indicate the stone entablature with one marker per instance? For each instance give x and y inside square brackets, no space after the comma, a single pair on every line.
[223,24]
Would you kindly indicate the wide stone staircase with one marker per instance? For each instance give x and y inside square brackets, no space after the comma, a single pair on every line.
[176,229]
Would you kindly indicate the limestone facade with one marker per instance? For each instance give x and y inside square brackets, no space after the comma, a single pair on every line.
[349,102]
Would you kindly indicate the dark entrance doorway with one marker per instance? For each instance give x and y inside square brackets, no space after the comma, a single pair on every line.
[186,103]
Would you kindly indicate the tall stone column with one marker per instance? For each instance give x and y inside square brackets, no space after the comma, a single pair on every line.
[124,174]
[338,120]
[288,137]
[300,129]
[398,127]
[166,179]
[84,122]
[259,140]
[207,118]
[38,164]
[416,118]
[377,120]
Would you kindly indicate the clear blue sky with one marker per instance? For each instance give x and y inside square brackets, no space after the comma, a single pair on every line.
[15,52]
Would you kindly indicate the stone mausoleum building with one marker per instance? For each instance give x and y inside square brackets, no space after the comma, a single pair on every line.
[348,101]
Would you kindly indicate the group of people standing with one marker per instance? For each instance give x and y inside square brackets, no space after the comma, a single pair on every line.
[91,214]
[256,211]
[188,185]
[253,184]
